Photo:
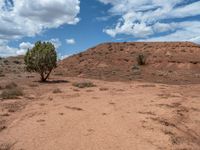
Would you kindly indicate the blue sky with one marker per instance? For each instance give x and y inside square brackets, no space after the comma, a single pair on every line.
[75,25]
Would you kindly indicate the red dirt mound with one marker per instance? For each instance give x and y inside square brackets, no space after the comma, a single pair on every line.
[167,62]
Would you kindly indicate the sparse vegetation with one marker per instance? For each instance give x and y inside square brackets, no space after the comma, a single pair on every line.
[11,85]
[110,47]
[80,55]
[84,84]
[33,85]
[42,59]
[141,59]
[2,127]
[136,69]
[11,91]
[103,89]
[6,62]
[55,91]
[6,146]
[58,74]
[2,75]
[16,62]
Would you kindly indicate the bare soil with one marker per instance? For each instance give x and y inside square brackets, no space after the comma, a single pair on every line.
[148,111]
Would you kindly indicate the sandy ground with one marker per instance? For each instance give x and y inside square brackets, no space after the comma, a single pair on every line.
[110,116]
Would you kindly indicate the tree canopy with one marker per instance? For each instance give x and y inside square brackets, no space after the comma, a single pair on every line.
[42,58]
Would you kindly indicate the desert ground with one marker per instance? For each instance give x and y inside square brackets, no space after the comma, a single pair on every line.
[113,113]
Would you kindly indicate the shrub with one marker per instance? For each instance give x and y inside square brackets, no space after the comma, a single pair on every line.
[55,91]
[136,70]
[11,85]
[11,93]
[42,59]
[103,89]
[6,146]
[141,59]
[84,84]
[6,62]
[2,75]
[16,62]
[80,55]
[135,67]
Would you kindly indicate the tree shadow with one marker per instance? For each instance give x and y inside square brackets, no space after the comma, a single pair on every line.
[53,81]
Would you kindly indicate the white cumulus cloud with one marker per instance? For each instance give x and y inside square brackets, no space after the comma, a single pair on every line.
[23,47]
[6,50]
[27,18]
[189,32]
[56,42]
[30,17]
[148,18]
[70,41]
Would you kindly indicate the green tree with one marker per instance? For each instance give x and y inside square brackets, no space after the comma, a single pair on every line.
[42,59]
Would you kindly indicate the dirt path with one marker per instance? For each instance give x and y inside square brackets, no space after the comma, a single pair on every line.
[111,116]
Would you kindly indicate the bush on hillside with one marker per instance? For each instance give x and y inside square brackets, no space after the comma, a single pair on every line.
[141,59]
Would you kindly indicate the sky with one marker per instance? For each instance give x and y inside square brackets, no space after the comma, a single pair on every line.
[76,25]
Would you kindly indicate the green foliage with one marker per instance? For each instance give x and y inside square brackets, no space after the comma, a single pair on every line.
[42,59]
[141,59]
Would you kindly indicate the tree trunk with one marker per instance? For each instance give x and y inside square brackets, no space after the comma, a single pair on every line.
[43,77]
[47,76]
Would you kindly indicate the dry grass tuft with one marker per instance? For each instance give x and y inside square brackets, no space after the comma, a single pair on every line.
[11,85]
[6,146]
[2,74]
[84,84]
[55,91]
[11,91]
[103,89]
